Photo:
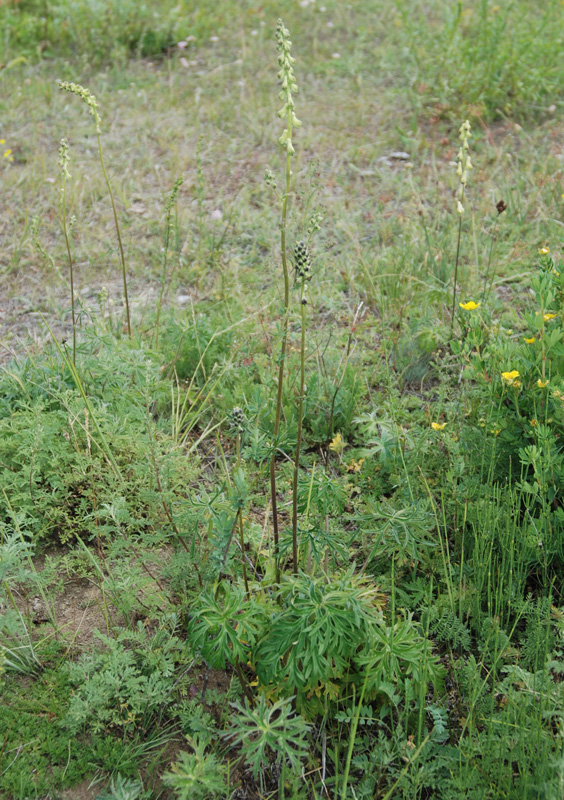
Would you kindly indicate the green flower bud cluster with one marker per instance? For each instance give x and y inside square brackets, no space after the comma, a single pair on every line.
[86,97]
[463,164]
[314,224]
[64,158]
[238,419]
[289,85]
[270,178]
[171,199]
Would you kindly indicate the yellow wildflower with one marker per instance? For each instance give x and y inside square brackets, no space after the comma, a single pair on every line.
[534,423]
[542,384]
[544,251]
[548,316]
[510,377]
[470,305]
[2,141]
[337,445]
[355,466]
[438,426]
[529,341]
[7,153]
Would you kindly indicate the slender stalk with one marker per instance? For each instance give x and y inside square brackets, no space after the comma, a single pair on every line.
[464,164]
[122,256]
[71,269]
[241,526]
[283,348]
[487,275]
[64,169]
[455,276]
[298,444]
[168,209]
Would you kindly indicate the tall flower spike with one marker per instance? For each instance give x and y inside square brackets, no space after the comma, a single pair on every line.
[64,158]
[86,97]
[463,164]
[289,85]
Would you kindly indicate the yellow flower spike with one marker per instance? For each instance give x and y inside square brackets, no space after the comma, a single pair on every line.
[542,384]
[438,426]
[337,445]
[470,305]
[548,316]
[544,251]
[529,341]
[510,377]
[355,466]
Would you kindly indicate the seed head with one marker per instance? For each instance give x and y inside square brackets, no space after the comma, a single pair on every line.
[302,261]
[86,97]
[238,419]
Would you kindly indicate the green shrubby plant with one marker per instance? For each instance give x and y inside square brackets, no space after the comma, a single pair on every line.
[520,383]
[198,775]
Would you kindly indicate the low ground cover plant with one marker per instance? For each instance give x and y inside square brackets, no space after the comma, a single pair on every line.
[313,537]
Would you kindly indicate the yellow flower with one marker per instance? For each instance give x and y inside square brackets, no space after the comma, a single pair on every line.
[548,316]
[544,251]
[542,384]
[438,426]
[529,341]
[469,306]
[355,466]
[2,141]
[337,445]
[7,153]
[509,377]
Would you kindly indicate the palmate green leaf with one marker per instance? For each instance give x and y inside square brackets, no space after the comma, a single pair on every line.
[225,626]
[269,730]
[395,652]
[197,776]
[321,624]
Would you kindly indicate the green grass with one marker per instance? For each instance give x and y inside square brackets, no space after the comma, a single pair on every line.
[428,608]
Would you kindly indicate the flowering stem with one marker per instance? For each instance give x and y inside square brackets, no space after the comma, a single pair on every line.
[455,276]
[122,256]
[283,348]
[71,268]
[298,443]
[241,531]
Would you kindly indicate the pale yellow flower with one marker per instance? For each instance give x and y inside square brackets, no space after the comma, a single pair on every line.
[355,466]
[470,305]
[544,251]
[542,384]
[529,341]
[438,426]
[548,316]
[510,377]
[337,445]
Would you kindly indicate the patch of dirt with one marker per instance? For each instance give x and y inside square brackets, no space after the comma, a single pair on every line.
[23,316]
[82,791]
